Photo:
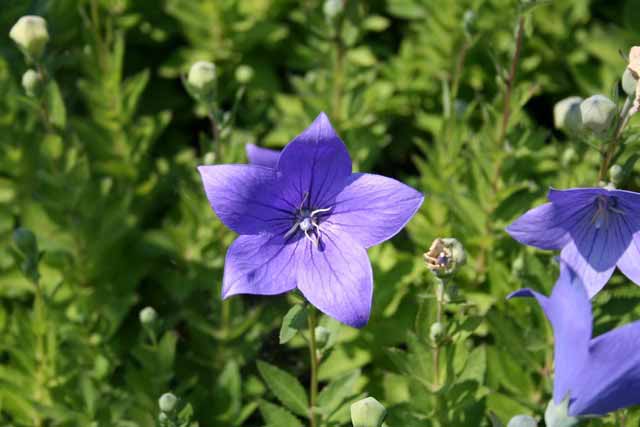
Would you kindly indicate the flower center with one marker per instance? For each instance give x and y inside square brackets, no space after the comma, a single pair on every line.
[308,222]
[605,206]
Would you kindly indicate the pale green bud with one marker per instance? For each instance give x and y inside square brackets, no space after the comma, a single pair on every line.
[445,256]
[202,77]
[322,335]
[566,114]
[469,22]
[629,82]
[522,421]
[244,74]
[558,415]
[367,413]
[436,332]
[167,402]
[148,316]
[616,174]
[597,113]
[31,35]
[31,82]
[333,8]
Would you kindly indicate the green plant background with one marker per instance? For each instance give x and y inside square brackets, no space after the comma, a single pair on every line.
[107,182]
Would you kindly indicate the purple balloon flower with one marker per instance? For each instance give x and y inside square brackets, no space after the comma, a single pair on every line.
[262,156]
[307,223]
[596,229]
[599,375]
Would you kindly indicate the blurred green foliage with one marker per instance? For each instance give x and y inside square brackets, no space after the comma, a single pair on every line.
[100,167]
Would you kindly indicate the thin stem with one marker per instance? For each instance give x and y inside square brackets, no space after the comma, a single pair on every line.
[313,359]
[612,146]
[215,135]
[338,71]
[439,294]
[506,112]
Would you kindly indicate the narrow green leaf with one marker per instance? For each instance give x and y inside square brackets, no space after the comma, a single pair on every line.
[333,395]
[285,387]
[277,416]
[56,110]
[293,321]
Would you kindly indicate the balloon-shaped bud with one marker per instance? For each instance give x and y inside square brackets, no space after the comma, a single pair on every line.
[598,113]
[244,74]
[167,402]
[629,82]
[557,415]
[202,78]
[616,174]
[367,413]
[566,114]
[445,256]
[522,421]
[31,35]
[148,316]
[322,336]
[436,332]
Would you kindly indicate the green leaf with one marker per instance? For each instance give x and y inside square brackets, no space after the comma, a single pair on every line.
[285,387]
[333,395]
[277,416]
[293,321]
[55,105]
[132,89]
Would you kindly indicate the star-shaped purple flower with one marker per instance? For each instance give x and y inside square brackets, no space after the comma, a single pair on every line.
[596,229]
[599,375]
[307,223]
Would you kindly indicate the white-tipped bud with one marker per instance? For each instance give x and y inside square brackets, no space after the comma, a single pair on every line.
[566,114]
[598,113]
[31,82]
[436,332]
[244,74]
[445,256]
[148,316]
[31,35]
[332,8]
[367,413]
[167,402]
[616,174]
[202,78]
[522,421]
[322,336]
[629,82]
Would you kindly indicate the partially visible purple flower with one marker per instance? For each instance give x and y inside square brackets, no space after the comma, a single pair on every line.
[596,229]
[598,375]
[307,223]
[262,156]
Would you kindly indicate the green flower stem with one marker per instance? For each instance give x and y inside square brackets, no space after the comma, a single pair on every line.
[215,134]
[338,71]
[314,362]
[611,149]
[439,294]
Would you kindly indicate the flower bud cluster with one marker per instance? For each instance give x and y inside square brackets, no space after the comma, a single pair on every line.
[445,256]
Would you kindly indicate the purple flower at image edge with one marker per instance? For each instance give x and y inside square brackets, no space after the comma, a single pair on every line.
[306,222]
[598,375]
[262,156]
[595,229]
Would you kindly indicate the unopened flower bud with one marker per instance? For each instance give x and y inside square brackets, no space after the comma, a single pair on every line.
[26,242]
[202,78]
[163,418]
[557,415]
[367,413]
[31,35]
[597,113]
[469,21]
[629,82]
[31,82]
[566,114]
[244,74]
[445,256]
[148,316]
[322,335]
[634,61]
[333,8]
[522,421]
[167,402]
[436,332]
[616,174]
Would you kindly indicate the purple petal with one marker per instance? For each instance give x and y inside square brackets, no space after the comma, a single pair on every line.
[569,311]
[262,156]
[594,251]
[543,227]
[245,198]
[336,278]
[373,208]
[629,263]
[260,264]
[611,379]
[315,162]
[573,197]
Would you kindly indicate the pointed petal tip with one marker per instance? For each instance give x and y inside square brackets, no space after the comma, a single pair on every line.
[521,293]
